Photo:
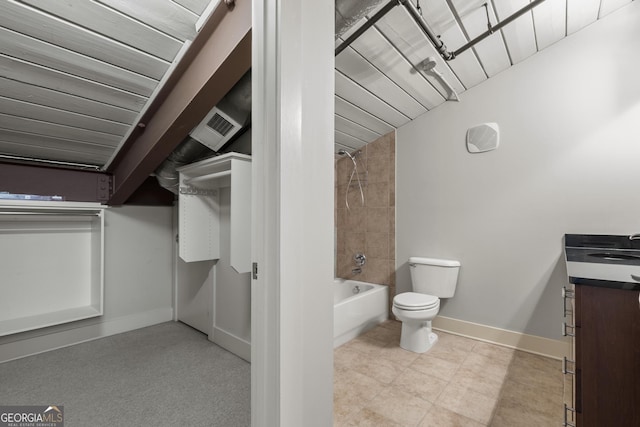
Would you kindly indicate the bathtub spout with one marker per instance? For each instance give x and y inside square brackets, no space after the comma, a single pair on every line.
[356,270]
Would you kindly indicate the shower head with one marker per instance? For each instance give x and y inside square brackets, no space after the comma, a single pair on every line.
[429,64]
[346,153]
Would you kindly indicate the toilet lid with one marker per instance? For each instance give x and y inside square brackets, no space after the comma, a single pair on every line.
[415,301]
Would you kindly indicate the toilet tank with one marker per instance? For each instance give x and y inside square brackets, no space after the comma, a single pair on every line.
[432,276]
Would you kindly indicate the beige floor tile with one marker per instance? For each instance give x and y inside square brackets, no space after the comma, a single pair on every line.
[357,386]
[345,357]
[367,418]
[422,385]
[399,355]
[399,406]
[366,345]
[459,382]
[394,325]
[351,392]
[495,352]
[535,399]
[485,367]
[451,347]
[382,334]
[510,414]
[456,341]
[467,402]
[441,417]
[378,368]
[435,367]
[537,371]
[483,384]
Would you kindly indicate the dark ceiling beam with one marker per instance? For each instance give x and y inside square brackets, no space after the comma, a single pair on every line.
[69,184]
[218,57]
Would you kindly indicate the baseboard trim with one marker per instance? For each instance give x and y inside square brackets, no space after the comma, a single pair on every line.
[555,349]
[76,335]
[234,344]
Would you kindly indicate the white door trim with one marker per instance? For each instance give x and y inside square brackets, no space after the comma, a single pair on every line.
[292,137]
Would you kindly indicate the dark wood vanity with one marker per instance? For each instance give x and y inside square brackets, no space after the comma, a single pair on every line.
[604,319]
[607,351]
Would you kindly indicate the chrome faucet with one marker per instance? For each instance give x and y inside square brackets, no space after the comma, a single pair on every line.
[360,259]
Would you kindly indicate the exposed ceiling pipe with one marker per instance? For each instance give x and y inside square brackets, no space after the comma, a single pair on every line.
[433,38]
[349,12]
[190,150]
[364,27]
[498,26]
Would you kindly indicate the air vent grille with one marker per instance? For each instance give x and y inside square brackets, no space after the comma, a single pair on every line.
[220,124]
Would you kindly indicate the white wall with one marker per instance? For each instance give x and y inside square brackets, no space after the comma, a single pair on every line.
[232,292]
[568,162]
[138,283]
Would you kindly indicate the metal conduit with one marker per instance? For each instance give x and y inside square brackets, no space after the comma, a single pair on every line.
[433,38]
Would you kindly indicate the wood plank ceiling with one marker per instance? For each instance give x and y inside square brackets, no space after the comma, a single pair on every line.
[75,75]
[380,84]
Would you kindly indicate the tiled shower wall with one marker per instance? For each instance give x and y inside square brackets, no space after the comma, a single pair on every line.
[367,228]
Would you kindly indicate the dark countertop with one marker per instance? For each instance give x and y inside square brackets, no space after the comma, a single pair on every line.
[601,260]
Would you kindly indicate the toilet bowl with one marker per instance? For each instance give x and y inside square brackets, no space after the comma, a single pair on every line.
[431,279]
[416,311]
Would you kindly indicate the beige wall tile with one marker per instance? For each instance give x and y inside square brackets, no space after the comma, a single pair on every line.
[378,169]
[376,271]
[355,219]
[377,245]
[380,147]
[354,243]
[378,220]
[377,195]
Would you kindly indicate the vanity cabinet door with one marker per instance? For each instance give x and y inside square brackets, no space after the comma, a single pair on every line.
[607,357]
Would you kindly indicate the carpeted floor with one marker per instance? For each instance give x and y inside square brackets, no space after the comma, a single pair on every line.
[163,375]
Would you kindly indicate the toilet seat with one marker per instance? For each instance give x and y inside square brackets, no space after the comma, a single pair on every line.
[413,301]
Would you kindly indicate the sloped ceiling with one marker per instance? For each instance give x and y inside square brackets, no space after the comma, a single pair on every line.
[75,75]
[380,84]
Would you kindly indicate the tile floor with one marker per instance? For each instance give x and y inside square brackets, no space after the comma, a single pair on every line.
[459,382]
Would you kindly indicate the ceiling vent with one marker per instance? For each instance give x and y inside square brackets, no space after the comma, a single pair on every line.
[218,127]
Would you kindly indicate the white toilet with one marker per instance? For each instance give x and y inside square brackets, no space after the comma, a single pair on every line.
[431,279]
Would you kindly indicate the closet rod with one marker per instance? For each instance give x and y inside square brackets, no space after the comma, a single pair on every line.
[48,213]
[203,178]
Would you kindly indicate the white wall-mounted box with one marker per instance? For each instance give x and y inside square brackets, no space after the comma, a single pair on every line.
[51,263]
[199,209]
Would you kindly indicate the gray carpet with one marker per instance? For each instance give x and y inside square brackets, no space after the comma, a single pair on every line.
[163,375]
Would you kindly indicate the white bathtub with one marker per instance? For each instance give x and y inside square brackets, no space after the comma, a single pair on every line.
[357,307]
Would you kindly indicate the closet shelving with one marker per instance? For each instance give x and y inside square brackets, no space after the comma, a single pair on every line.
[52,263]
[199,209]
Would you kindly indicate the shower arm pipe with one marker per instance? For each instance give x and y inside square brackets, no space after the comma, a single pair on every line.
[498,26]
